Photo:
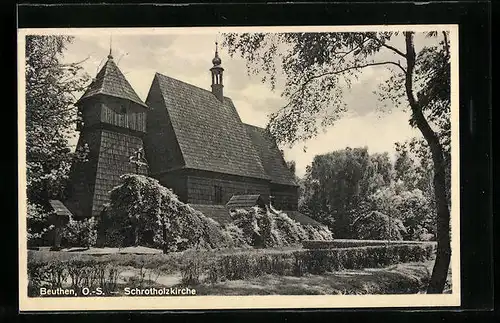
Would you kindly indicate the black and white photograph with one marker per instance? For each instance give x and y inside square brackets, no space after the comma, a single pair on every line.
[238,167]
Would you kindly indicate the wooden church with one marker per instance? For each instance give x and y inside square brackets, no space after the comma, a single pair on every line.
[193,140]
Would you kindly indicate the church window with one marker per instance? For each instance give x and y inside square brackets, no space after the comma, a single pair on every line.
[218,194]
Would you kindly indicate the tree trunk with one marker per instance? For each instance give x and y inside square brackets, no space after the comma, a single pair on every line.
[443,254]
[136,236]
[164,237]
[440,270]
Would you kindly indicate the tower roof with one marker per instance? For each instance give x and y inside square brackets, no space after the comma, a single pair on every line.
[111,81]
[216,60]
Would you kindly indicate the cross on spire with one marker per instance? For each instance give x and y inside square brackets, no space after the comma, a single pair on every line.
[110,56]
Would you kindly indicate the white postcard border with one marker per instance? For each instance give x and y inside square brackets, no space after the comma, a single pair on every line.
[239,302]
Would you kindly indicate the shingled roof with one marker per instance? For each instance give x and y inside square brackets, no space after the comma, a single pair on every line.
[60,208]
[270,156]
[110,81]
[210,133]
[244,201]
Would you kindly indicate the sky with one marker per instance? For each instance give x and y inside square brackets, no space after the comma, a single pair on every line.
[188,56]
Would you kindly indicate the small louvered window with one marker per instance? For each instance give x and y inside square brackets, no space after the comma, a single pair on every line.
[218,194]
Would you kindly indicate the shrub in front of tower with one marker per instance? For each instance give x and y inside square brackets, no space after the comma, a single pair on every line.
[247,221]
[290,231]
[79,233]
[143,212]
[237,236]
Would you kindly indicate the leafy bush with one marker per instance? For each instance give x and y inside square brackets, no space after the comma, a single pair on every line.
[166,262]
[272,228]
[79,233]
[321,233]
[248,223]
[192,266]
[289,231]
[378,226]
[55,270]
[39,225]
[144,212]
[68,269]
[237,235]
[413,208]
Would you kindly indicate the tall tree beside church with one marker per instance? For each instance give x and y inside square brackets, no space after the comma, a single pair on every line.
[337,187]
[50,115]
[318,66]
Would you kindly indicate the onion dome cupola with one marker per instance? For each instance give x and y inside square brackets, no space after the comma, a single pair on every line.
[217,71]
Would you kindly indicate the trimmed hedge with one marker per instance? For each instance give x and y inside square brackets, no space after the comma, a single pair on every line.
[53,269]
[346,243]
[301,262]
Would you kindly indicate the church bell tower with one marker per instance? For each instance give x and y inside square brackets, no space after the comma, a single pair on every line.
[113,124]
[217,70]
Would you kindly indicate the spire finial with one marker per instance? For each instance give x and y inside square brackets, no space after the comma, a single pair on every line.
[216,60]
[110,56]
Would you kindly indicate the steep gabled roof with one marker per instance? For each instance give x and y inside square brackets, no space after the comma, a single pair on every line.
[210,133]
[270,156]
[111,81]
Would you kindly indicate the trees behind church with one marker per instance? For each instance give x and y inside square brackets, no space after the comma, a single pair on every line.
[319,67]
[363,196]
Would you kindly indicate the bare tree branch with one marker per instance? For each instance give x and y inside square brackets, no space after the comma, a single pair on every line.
[76,63]
[340,58]
[346,70]
[394,49]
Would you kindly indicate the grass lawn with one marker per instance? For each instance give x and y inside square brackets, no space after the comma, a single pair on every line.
[407,278]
